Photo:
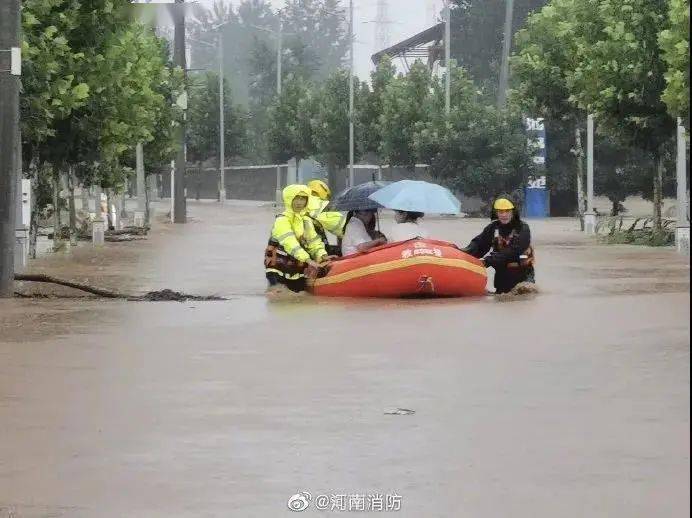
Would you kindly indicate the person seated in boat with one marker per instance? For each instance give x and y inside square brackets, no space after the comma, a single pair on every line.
[360,234]
[505,245]
[408,226]
[325,221]
[294,244]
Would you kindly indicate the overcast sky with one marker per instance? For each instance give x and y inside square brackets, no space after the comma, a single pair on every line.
[408,17]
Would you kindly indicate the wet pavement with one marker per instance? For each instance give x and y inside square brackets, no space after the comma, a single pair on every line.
[573,403]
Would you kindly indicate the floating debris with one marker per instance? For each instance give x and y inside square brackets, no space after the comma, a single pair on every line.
[400,411]
[174,296]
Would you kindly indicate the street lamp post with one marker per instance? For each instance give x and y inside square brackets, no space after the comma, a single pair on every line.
[448,57]
[590,216]
[279,52]
[222,114]
[506,47]
[279,78]
[682,232]
[10,72]
[222,124]
[351,133]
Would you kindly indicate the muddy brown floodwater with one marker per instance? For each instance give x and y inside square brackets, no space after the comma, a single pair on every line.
[573,403]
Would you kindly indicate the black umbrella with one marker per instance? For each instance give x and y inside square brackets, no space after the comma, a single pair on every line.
[356,197]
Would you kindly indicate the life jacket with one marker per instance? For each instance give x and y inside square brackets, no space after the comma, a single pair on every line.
[526,260]
[277,260]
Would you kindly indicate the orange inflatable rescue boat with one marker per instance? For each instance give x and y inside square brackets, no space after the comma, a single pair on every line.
[414,268]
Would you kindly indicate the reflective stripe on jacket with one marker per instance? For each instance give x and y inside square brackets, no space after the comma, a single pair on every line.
[295,232]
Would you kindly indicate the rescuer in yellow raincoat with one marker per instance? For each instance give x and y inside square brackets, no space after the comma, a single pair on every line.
[324,220]
[294,244]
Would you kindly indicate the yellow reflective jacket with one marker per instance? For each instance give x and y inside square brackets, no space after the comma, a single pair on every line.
[333,222]
[295,232]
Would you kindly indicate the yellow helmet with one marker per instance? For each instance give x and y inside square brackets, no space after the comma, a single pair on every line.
[320,189]
[503,204]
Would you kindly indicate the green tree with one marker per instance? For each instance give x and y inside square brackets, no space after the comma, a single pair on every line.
[50,88]
[403,106]
[203,121]
[478,33]
[330,124]
[546,54]
[675,43]
[478,149]
[320,27]
[371,105]
[290,127]
[97,83]
[620,78]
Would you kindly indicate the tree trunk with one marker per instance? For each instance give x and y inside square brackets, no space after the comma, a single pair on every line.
[56,210]
[658,192]
[581,197]
[147,197]
[198,183]
[73,212]
[109,213]
[33,224]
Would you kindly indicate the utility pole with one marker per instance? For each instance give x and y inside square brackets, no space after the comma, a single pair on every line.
[448,58]
[682,232]
[506,46]
[279,60]
[179,209]
[10,70]
[590,216]
[140,213]
[222,124]
[351,136]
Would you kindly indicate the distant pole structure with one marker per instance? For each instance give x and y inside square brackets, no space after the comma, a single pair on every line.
[382,25]
[279,75]
[506,48]
[682,232]
[433,9]
[351,93]
[590,216]
[10,71]
[179,209]
[222,123]
[448,58]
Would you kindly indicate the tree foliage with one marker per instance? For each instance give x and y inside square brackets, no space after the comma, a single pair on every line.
[403,106]
[478,149]
[603,57]
[318,28]
[291,128]
[203,121]
[96,84]
[675,44]
[330,126]
[478,33]
[371,106]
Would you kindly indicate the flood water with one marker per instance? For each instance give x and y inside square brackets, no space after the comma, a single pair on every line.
[572,403]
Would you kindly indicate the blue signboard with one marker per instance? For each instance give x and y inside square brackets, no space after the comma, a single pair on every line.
[536,201]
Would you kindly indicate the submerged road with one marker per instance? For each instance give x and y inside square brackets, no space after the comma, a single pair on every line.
[574,403]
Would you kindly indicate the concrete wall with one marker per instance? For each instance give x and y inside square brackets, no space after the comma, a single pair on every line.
[260,184]
[251,184]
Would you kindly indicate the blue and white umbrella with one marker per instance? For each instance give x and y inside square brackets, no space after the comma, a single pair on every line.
[417,196]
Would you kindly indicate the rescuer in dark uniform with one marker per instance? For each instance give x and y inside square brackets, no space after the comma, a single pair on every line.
[505,245]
